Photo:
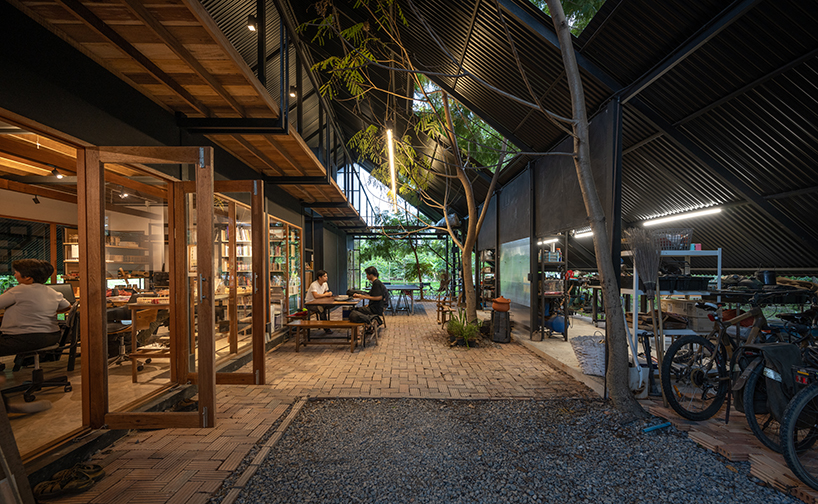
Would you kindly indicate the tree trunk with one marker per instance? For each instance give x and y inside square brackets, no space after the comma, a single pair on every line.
[417,264]
[468,285]
[617,366]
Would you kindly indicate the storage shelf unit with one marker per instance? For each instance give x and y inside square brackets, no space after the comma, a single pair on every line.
[284,270]
[552,286]
[635,292]
[488,276]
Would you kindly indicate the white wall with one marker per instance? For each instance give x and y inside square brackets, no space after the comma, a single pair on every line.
[21,206]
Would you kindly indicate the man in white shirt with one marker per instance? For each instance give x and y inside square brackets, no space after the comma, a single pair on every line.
[317,290]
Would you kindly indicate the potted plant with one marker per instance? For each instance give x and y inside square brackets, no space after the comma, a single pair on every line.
[460,329]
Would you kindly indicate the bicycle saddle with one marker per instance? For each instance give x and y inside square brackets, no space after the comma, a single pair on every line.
[708,306]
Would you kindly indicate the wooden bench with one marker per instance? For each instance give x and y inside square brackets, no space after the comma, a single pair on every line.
[301,325]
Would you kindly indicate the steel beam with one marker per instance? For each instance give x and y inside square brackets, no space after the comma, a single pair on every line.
[230,126]
[297,180]
[318,205]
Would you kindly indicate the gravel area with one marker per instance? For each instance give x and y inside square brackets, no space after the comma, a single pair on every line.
[564,450]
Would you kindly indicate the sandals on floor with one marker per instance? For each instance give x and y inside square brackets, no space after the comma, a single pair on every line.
[73,483]
[94,471]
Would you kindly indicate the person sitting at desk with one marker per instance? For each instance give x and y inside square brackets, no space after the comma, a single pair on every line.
[317,290]
[30,320]
[376,296]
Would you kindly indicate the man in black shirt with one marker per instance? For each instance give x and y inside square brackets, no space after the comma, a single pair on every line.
[377,295]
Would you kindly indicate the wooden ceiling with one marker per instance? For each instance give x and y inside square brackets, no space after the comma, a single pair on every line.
[174,53]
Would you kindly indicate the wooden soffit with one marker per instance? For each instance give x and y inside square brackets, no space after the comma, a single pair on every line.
[173,52]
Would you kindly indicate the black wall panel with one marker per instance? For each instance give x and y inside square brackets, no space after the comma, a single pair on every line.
[488,233]
[515,209]
[559,203]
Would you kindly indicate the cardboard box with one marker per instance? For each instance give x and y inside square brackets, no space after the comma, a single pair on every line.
[697,318]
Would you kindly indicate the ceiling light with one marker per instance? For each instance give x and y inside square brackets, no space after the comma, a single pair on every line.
[57,174]
[36,200]
[252,24]
[293,92]
[123,193]
[688,215]
[550,240]
[584,234]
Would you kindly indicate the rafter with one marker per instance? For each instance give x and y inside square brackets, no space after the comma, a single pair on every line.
[139,10]
[89,18]
[258,154]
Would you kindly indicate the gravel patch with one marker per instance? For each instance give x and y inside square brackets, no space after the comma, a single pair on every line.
[563,450]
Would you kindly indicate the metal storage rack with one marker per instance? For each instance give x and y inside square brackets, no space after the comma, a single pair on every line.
[553,267]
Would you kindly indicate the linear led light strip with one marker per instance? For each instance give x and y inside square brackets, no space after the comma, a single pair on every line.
[392,166]
[688,215]
[550,240]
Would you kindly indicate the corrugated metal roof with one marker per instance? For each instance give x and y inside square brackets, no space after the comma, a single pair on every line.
[747,97]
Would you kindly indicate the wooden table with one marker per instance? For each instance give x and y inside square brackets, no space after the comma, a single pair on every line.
[142,314]
[405,289]
[330,303]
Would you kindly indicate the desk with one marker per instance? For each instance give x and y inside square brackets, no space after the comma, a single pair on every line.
[405,290]
[142,314]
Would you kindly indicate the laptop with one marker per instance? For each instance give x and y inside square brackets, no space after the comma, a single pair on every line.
[66,290]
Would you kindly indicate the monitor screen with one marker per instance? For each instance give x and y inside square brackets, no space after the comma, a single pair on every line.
[66,290]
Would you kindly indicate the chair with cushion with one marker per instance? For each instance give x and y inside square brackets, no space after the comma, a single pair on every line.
[68,340]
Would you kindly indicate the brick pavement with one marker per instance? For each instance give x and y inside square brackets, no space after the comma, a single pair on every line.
[412,359]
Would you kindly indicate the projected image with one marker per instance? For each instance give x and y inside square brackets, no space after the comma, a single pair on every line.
[515,265]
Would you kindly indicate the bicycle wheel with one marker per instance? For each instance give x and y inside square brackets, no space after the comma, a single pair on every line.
[694,378]
[801,416]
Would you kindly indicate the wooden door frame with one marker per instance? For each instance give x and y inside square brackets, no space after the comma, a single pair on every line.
[93,320]
[259,227]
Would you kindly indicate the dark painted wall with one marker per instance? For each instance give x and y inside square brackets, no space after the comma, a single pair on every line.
[515,209]
[488,233]
[335,259]
[559,203]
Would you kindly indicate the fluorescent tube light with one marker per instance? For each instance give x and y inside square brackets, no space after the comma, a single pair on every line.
[584,234]
[392,164]
[688,215]
[550,240]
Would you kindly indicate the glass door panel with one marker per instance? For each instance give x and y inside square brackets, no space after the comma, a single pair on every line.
[137,272]
[278,270]
[294,254]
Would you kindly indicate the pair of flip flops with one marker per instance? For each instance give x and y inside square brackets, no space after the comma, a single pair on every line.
[77,479]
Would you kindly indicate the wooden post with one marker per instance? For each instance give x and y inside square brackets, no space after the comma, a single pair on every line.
[93,319]
[204,300]
[232,308]
[260,309]
[176,283]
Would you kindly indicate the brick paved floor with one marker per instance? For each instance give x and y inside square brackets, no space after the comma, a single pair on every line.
[412,359]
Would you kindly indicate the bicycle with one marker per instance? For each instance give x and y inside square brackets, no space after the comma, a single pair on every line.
[762,404]
[800,423]
[697,373]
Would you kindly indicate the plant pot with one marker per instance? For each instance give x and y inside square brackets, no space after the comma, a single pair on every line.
[501,304]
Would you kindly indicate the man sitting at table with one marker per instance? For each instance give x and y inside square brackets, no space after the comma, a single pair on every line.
[317,290]
[376,296]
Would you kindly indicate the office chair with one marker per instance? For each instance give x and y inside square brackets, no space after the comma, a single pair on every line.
[38,381]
